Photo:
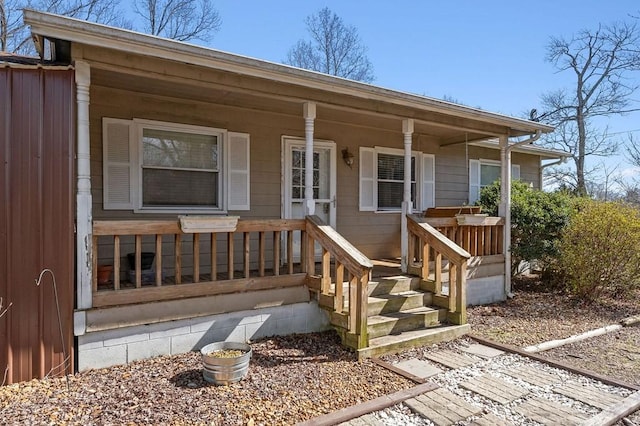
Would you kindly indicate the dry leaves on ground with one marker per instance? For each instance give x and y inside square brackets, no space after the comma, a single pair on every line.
[535,315]
[291,378]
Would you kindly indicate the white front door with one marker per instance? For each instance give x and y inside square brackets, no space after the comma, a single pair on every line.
[324,181]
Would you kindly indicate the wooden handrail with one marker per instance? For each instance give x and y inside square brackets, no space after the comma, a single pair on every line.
[439,242]
[355,262]
[358,267]
[188,252]
[152,227]
[431,239]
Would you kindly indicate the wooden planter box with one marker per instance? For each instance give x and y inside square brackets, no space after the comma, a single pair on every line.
[478,219]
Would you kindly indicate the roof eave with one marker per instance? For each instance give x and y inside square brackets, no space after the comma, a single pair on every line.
[544,153]
[75,30]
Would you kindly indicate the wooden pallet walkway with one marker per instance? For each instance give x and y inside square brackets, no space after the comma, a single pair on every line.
[594,397]
[451,359]
[550,413]
[532,375]
[495,389]
[366,420]
[490,420]
[442,407]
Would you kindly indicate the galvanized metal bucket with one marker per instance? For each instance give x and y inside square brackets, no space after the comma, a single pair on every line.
[222,371]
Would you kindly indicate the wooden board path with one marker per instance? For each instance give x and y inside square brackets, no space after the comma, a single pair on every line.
[550,413]
[490,420]
[591,396]
[495,389]
[442,407]
[451,359]
[534,376]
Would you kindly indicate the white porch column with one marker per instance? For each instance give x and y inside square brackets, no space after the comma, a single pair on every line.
[407,203]
[504,208]
[83,197]
[309,110]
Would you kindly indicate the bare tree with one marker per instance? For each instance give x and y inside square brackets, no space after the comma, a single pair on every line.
[15,36]
[180,20]
[335,48]
[600,62]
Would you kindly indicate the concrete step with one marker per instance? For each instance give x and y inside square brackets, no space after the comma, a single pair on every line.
[396,302]
[410,319]
[396,284]
[410,339]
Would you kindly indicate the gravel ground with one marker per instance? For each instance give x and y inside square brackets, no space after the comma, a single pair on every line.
[451,379]
[290,379]
[298,377]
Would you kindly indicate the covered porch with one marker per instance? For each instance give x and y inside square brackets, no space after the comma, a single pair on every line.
[310,219]
[254,265]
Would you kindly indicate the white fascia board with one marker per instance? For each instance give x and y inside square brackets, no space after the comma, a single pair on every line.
[89,33]
[545,153]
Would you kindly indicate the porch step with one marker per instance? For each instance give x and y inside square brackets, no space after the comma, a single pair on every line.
[395,284]
[396,302]
[409,319]
[410,339]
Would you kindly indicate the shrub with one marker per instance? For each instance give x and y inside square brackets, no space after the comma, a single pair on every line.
[600,250]
[537,220]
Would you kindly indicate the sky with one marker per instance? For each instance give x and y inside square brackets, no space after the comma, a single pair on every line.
[487,54]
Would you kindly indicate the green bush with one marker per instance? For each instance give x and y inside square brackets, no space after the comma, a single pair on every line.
[600,250]
[537,220]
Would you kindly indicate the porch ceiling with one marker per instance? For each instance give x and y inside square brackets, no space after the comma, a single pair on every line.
[253,95]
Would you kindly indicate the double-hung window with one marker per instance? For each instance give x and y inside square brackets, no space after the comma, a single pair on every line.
[382,179]
[180,168]
[151,166]
[391,181]
[485,172]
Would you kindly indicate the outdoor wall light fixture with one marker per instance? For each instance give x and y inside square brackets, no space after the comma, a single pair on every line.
[347,157]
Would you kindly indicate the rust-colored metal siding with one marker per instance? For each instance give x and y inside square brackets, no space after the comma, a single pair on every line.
[37,135]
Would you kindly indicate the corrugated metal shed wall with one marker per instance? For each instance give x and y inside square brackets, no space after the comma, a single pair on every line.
[37,135]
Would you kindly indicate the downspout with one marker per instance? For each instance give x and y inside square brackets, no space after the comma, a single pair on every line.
[562,160]
[504,209]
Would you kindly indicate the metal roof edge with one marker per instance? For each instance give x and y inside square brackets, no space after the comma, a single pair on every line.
[76,30]
[547,153]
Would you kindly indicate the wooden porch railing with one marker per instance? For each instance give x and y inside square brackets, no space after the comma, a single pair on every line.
[340,262]
[483,240]
[257,255]
[249,258]
[427,243]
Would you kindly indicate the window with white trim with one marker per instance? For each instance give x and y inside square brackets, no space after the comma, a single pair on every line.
[485,172]
[152,166]
[382,179]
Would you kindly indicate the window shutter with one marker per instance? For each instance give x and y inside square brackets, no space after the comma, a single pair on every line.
[239,185]
[368,190]
[474,181]
[118,169]
[427,196]
[515,172]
